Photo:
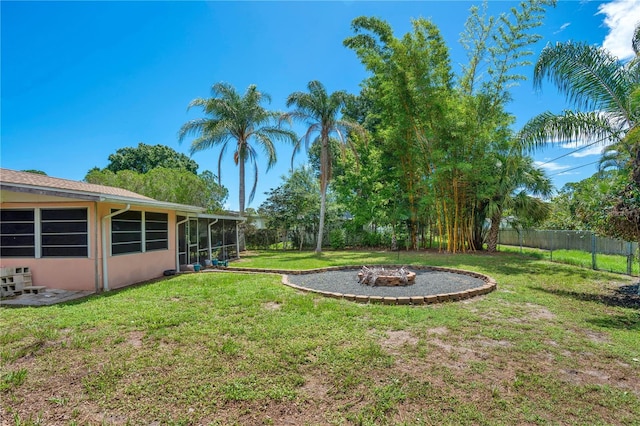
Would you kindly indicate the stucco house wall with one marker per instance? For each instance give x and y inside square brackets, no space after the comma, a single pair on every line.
[26,191]
[77,273]
[124,269]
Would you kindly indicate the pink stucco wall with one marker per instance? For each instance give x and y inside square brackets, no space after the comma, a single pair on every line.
[87,273]
[127,269]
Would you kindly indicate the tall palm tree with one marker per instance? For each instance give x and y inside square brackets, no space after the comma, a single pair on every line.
[319,111]
[237,120]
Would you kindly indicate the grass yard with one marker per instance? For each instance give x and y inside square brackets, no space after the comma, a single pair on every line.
[604,262]
[555,344]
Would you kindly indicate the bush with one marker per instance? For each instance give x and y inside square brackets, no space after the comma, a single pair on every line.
[371,239]
[337,239]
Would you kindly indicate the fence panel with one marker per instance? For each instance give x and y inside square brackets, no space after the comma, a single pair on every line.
[608,254]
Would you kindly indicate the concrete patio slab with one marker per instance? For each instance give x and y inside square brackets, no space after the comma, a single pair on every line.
[44,298]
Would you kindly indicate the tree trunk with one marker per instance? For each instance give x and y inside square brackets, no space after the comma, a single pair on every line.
[301,239]
[492,238]
[323,201]
[324,181]
[241,185]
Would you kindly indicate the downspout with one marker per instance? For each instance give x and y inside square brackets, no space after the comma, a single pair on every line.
[209,238]
[178,241]
[105,269]
[96,252]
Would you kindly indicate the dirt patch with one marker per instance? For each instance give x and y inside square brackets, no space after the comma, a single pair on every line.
[539,313]
[314,388]
[271,306]
[490,343]
[596,337]
[397,339]
[438,331]
[135,339]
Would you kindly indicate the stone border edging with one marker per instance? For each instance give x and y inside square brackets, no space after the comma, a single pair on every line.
[489,285]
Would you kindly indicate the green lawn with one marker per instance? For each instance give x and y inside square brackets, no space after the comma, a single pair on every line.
[554,344]
[604,262]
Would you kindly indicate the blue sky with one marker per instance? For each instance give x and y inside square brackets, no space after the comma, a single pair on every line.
[80,80]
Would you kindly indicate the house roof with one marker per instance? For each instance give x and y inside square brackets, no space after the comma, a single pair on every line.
[15,181]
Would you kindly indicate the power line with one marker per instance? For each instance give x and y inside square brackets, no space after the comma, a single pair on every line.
[574,151]
[574,168]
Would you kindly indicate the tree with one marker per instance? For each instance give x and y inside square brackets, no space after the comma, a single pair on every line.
[236,119]
[409,83]
[440,135]
[518,186]
[597,85]
[585,205]
[319,111]
[145,157]
[294,205]
[163,184]
[605,94]
[498,49]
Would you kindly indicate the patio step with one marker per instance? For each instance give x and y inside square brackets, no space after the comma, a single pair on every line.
[34,289]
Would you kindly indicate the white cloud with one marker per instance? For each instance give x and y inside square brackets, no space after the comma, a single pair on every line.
[562,27]
[621,16]
[568,174]
[586,152]
[551,166]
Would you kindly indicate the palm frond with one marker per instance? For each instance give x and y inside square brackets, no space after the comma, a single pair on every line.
[635,41]
[223,149]
[231,116]
[549,128]
[255,180]
[589,76]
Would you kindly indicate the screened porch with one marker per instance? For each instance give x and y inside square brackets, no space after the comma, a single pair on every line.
[208,238]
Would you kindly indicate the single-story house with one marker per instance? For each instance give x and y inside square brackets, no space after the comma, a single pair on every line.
[74,235]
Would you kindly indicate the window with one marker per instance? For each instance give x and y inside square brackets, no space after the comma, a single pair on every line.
[136,231]
[63,233]
[17,233]
[44,233]
[156,231]
[126,232]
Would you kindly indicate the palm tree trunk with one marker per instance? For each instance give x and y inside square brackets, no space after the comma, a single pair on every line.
[492,238]
[324,181]
[323,201]
[241,185]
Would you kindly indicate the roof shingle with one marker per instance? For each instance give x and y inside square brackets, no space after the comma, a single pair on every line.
[41,181]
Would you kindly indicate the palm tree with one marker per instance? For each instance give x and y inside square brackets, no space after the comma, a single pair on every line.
[234,119]
[599,87]
[319,111]
[606,95]
[519,184]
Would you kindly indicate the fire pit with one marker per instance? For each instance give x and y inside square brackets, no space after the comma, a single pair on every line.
[386,277]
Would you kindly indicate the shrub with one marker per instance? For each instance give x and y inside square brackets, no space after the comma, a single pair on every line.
[337,239]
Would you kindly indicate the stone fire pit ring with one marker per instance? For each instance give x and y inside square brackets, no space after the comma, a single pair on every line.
[432,285]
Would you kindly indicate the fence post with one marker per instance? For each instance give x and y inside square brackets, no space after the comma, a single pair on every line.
[594,265]
[520,240]
[629,258]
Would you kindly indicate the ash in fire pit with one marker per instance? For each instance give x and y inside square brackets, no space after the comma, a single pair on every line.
[386,277]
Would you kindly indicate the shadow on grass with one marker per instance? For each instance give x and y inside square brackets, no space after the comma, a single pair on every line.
[91,297]
[630,321]
[625,296]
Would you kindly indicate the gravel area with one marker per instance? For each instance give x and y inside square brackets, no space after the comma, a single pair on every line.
[427,283]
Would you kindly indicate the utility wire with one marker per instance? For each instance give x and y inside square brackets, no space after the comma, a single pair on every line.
[574,151]
[574,168]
